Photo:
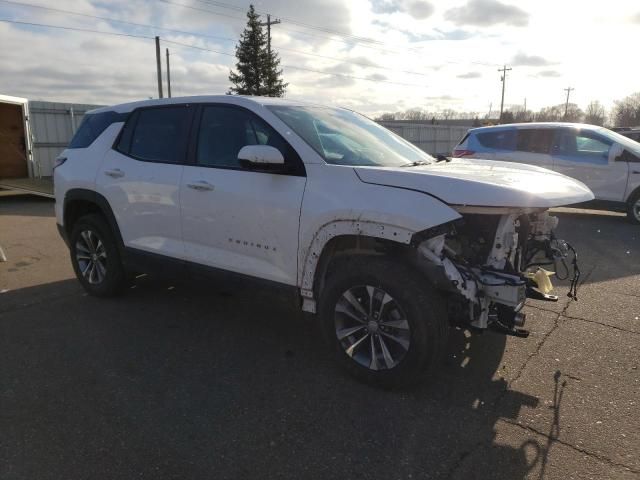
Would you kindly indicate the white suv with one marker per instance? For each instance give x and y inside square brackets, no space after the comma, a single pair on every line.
[607,162]
[387,245]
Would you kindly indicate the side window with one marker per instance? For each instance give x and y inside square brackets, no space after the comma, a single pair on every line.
[160,134]
[225,130]
[585,146]
[534,140]
[499,140]
[589,143]
[92,127]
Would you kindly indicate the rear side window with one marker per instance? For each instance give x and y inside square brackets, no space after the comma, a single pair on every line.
[157,134]
[92,127]
[499,140]
[534,140]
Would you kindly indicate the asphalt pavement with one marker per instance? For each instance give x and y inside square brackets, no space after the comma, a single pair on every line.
[186,380]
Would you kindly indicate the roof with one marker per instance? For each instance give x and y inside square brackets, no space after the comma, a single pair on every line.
[507,126]
[229,99]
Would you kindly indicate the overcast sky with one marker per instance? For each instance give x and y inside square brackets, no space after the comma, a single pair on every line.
[390,55]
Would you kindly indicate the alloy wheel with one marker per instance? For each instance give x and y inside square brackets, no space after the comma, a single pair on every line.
[372,327]
[91,257]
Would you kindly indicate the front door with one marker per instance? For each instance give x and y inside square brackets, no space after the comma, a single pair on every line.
[141,179]
[584,155]
[237,219]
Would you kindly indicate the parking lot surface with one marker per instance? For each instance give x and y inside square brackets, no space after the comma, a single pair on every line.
[190,380]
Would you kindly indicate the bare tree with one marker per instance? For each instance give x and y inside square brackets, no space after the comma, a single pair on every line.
[555,113]
[595,113]
[416,114]
[626,112]
[385,117]
[448,114]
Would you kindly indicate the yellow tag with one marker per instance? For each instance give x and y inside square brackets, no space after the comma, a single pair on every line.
[541,277]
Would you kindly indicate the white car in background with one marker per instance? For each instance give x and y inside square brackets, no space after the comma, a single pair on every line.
[607,162]
[387,245]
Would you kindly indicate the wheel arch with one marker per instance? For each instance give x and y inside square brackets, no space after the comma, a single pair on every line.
[79,202]
[355,237]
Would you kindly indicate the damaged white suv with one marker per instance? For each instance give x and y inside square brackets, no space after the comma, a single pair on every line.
[385,244]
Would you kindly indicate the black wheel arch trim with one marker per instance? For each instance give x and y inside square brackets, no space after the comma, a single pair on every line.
[103,205]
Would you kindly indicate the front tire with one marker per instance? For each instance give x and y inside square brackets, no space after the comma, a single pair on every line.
[386,324]
[95,257]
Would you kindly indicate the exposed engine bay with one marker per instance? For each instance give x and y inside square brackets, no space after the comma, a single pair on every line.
[491,263]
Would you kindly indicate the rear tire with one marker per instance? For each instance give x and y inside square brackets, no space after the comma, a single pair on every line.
[633,208]
[95,257]
[385,323]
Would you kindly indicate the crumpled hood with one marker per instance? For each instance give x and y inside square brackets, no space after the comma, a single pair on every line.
[486,183]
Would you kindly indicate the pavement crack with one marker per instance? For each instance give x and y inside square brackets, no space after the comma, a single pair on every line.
[569,317]
[584,451]
[463,456]
[556,324]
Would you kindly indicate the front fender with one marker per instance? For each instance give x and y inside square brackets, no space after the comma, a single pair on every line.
[373,210]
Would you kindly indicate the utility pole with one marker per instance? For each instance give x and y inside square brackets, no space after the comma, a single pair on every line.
[268,24]
[503,78]
[168,76]
[524,115]
[159,67]
[566,105]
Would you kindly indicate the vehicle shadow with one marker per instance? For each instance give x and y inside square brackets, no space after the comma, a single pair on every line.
[20,204]
[181,380]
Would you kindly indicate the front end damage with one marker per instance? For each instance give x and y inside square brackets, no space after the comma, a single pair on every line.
[492,260]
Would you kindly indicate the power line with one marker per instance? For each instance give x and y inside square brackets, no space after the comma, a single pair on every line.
[294,67]
[347,42]
[75,29]
[87,30]
[114,20]
[203,35]
[297,22]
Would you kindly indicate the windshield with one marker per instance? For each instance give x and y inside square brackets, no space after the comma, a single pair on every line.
[626,142]
[343,137]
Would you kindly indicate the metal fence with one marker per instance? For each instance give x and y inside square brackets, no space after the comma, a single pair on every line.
[433,139]
[52,125]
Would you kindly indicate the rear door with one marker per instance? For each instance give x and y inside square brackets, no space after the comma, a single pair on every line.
[141,176]
[237,219]
[532,146]
[584,155]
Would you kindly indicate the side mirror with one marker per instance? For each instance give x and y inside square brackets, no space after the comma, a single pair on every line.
[615,151]
[260,157]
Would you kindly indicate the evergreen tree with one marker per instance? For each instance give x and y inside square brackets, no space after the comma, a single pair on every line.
[257,67]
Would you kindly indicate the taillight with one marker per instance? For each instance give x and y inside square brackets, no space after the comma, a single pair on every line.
[59,161]
[462,153]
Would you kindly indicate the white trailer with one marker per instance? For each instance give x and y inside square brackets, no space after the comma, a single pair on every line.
[32,135]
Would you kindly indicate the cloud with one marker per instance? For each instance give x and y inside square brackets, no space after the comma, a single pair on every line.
[524,60]
[470,75]
[377,77]
[636,18]
[548,74]
[418,9]
[483,13]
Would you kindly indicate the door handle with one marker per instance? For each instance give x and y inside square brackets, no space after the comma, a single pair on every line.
[200,186]
[115,173]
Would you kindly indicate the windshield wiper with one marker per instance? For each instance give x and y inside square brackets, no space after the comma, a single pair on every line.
[415,164]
